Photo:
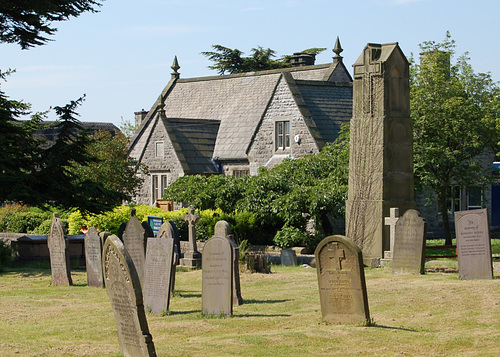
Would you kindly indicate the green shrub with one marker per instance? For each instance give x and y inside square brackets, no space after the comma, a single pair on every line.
[5,255]
[43,228]
[289,237]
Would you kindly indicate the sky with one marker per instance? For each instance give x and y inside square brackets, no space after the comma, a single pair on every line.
[120,58]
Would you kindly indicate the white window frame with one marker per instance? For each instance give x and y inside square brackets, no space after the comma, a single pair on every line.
[282,134]
[159,182]
[159,149]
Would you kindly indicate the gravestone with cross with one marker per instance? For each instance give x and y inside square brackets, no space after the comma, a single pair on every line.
[341,281]
[192,257]
[391,222]
[381,148]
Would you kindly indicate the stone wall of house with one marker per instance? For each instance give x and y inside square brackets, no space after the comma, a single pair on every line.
[282,107]
[168,164]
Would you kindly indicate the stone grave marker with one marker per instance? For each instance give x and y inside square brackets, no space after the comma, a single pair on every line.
[222,229]
[217,280]
[391,222]
[59,253]
[124,291]
[169,230]
[473,244]
[192,257]
[341,281]
[93,258]
[409,244]
[135,240]
[158,274]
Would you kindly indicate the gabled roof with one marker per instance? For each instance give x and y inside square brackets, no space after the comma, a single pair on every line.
[193,141]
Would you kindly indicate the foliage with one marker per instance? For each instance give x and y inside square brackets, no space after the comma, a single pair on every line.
[454,111]
[288,237]
[5,254]
[232,60]
[128,128]
[28,22]
[19,219]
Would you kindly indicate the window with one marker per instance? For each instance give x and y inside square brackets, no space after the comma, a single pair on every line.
[240,173]
[454,198]
[159,183]
[474,197]
[159,149]
[282,134]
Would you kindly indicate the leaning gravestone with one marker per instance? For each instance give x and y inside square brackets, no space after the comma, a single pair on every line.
[124,291]
[409,244]
[169,230]
[222,229]
[341,281]
[217,280]
[59,253]
[93,258]
[135,240]
[473,244]
[158,274]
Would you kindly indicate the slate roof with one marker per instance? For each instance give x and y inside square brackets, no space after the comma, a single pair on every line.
[194,141]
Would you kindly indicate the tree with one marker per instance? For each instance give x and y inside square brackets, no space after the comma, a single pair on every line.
[454,111]
[27,22]
[232,61]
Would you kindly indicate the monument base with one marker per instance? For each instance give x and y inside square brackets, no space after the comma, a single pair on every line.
[191,259]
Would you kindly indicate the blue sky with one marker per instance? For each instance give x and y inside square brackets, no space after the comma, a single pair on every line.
[121,57]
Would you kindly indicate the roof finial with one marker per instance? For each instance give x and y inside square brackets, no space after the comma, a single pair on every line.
[175,67]
[337,49]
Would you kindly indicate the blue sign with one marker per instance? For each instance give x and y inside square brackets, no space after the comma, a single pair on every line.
[155,223]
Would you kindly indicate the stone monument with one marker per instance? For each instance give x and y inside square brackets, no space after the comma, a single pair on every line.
[124,291]
[93,258]
[158,274]
[409,244]
[341,281]
[192,257]
[169,230]
[381,148]
[391,222]
[135,240]
[472,229]
[59,253]
[222,229]
[217,279]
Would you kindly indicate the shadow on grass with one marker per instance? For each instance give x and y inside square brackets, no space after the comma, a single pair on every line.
[261,315]
[186,294]
[253,301]
[374,325]
[171,313]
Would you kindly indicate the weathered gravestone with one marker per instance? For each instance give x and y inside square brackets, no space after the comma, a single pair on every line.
[391,222]
[169,230]
[59,253]
[124,291]
[222,229]
[381,148]
[217,279]
[192,257]
[473,244]
[135,240]
[409,244]
[93,258]
[158,274]
[341,281]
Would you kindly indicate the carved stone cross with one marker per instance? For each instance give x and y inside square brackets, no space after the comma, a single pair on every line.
[337,256]
[391,221]
[192,257]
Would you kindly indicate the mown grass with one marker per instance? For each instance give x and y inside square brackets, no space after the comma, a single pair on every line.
[416,315]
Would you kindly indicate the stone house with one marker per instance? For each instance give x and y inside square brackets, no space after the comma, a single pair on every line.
[234,124]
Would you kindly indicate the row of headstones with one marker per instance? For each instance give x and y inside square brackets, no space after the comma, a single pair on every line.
[408,237]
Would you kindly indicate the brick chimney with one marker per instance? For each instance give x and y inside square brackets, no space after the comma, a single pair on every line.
[139,117]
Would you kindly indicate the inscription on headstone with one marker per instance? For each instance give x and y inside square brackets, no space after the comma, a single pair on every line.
[158,274]
[473,244]
[409,244]
[124,291]
[135,240]
[59,253]
[217,268]
[341,281]
[93,258]
[222,229]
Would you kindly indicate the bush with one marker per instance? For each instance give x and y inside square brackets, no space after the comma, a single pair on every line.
[289,237]
[5,255]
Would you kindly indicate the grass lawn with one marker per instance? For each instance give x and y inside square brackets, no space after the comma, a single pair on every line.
[415,315]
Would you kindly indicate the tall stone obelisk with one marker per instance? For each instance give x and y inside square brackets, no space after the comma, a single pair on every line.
[381,148]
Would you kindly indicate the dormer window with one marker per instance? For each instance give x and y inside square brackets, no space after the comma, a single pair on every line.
[282,134]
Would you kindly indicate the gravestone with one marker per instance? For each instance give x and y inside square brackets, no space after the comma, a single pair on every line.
[391,222]
[148,230]
[341,281]
[169,230]
[59,253]
[222,229]
[158,274]
[472,230]
[217,279]
[135,240]
[93,258]
[124,291]
[381,148]
[409,244]
[192,257]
